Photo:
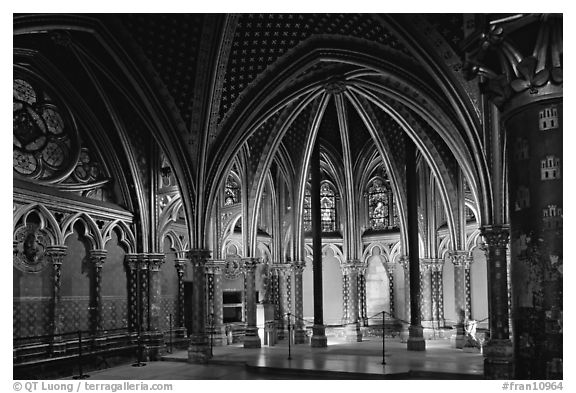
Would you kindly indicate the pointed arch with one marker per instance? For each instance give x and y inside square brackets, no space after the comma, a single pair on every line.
[91,231]
[47,221]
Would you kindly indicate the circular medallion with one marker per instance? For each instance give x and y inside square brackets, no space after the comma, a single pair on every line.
[232,270]
[29,255]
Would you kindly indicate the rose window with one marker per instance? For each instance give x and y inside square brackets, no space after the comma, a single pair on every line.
[45,146]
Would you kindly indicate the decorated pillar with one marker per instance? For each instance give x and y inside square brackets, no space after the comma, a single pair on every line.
[525,83]
[97,258]
[155,337]
[284,297]
[155,261]
[56,254]
[436,267]
[461,261]
[143,301]
[131,268]
[300,336]
[498,352]
[251,338]
[390,271]
[363,314]
[216,329]
[199,348]
[179,326]
[352,328]
[426,292]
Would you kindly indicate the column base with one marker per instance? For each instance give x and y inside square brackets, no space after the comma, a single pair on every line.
[459,339]
[217,336]
[199,349]
[498,359]
[154,342]
[319,339]
[416,340]
[251,338]
[300,336]
[353,333]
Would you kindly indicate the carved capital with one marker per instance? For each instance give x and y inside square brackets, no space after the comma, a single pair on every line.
[215,267]
[97,257]
[155,261]
[461,258]
[249,265]
[508,71]
[495,236]
[198,257]
[352,266]
[56,254]
[180,265]
[298,267]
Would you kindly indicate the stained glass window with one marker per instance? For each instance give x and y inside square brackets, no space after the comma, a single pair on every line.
[231,192]
[382,209]
[327,208]
[379,205]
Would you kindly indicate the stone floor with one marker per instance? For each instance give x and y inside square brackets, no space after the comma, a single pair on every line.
[340,360]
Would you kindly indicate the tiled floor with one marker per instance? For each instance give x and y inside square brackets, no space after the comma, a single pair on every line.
[340,360]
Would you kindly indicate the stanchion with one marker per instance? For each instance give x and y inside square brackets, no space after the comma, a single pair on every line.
[170,332]
[80,375]
[383,337]
[289,339]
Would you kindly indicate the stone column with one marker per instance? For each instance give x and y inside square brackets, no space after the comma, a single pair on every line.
[300,336]
[437,292]
[285,297]
[251,338]
[498,362]
[179,325]
[155,337]
[199,348]
[525,83]
[390,270]
[426,292]
[362,294]
[416,334]
[319,339]
[56,255]
[97,258]
[131,268]
[461,261]
[216,309]
[352,328]
[144,305]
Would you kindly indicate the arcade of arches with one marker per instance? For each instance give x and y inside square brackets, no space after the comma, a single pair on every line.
[184,175]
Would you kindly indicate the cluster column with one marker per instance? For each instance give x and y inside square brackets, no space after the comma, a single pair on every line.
[199,348]
[436,267]
[352,329]
[180,265]
[251,338]
[390,270]
[56,255]
[498,353]
[131,267]
[155,336]
[362,294]
[97,258]
[300,336]
[216,308]
[461,261]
